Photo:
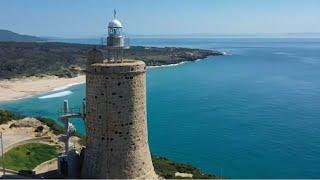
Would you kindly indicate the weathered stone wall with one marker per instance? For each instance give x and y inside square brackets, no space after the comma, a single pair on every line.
[94,56]
[117,140]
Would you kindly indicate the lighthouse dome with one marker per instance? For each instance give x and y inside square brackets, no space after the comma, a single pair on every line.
[115,23]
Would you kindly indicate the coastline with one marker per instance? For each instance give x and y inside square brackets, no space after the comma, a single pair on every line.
[20,88]
[170,65]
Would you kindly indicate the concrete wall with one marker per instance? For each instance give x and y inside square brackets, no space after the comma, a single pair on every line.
[117,140]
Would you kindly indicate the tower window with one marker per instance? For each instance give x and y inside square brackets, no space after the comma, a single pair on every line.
[119,83]
[114,93]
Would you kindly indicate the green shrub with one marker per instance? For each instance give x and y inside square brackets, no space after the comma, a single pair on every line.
[57,129]
[6,116]
[52,125]
[167,169]
[39,129]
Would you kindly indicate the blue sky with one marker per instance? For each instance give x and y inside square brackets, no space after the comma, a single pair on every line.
[88,18]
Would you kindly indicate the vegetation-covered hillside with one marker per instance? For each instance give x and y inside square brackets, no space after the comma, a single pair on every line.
[167,169]
[35,59]
[6,116]
[6,35]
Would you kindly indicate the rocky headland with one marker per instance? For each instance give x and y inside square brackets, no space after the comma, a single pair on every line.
[25,59]
[31,68]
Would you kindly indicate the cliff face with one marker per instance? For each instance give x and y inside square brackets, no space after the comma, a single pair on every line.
[34,59]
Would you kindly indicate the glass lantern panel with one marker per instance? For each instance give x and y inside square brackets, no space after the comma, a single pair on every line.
[115,31]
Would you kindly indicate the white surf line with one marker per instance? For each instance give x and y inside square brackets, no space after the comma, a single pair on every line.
[225,53]
[55,95]
[183,62]
[167,65]
[66,86]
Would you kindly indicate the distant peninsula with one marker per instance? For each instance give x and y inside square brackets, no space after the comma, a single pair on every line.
[21,59]
[32,68]
[6,35]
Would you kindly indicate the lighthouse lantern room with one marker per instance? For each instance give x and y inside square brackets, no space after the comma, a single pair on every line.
[116,42]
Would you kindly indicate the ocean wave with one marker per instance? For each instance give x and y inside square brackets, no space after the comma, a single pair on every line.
[168,65]
[225,53]
[310,60]
[183,62]
[55,95]
[282,53]
[66,86]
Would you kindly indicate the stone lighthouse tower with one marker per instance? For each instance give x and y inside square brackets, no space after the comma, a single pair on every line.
[117,139]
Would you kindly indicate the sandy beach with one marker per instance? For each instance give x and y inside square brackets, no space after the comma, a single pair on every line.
[14,89]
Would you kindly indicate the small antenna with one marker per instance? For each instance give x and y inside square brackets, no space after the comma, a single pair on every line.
[114,13]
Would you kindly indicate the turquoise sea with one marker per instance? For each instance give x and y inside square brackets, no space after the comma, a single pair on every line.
[254,113]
